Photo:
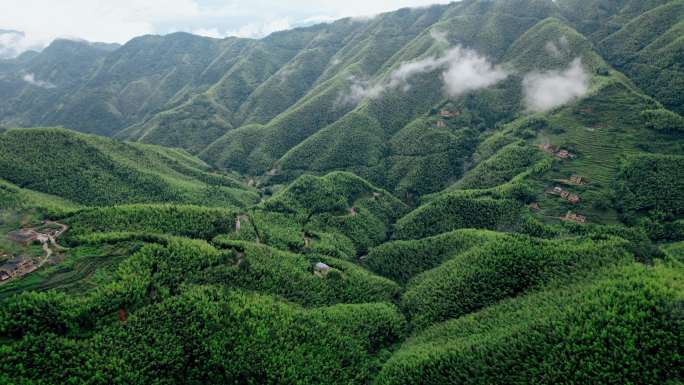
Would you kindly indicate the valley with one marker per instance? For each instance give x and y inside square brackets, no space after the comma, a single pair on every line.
[481,192]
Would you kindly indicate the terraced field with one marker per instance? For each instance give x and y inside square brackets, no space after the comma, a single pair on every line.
[601,134]
[79,270]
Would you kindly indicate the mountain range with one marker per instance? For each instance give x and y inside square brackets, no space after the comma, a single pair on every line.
[482,192]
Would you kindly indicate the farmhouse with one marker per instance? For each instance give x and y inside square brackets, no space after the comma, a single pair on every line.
[564,194]
[321,269]
[16,267]
[573,198]
[547,148]
[555,191]
[447,114]
[560,154]
[574,180]
[564,154]
[573,217]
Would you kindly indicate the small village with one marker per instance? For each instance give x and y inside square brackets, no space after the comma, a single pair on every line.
[574,181]
[21,265]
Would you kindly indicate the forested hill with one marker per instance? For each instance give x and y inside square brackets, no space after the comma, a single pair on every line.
[311,99]
[489,192]
[92,170]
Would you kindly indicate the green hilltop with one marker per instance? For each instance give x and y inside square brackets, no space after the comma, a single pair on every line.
[482,192]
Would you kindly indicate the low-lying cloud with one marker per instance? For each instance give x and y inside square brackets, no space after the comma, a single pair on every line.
[13,43]
[470,71]
[545,91]
[439,36]
[31,79]
[463,70]
[557,49]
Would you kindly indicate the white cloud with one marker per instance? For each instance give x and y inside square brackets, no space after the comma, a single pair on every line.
[547,90]
[31,79]
[463,70]
[45,20]
[258,30]
[470,71]
[13,43]
[552,49]
[208,32]
[119,21]
[439,36]
[557,50]
[316,19]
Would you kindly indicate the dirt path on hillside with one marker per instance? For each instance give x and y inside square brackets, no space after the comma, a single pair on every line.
[48,240]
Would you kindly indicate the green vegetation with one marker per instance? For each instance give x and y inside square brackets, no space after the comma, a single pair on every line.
[14,198]
[508,162]
[84,268]
[339,208]
[652,183]
[648,47]
[402,260]
[454,211]
[332,207]
[486,274]
[664,120]
[208,336]
[562,336]
[97,171]
[263,269]
[675,251]
[189,221]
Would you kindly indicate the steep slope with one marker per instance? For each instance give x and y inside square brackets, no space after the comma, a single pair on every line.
[650,49]
[485,192]
[204,117]
[97,171]
[255,148]
[640,38]
[34,86]
[572,330]
[357,140]
[338,214]
[613,119]
[307,99]
[117,88]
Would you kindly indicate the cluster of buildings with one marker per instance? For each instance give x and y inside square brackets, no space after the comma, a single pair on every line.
[21,265]
[564,194]
[16,267]
[558,153]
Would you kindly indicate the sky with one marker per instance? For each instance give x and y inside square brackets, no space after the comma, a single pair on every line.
[38,22]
